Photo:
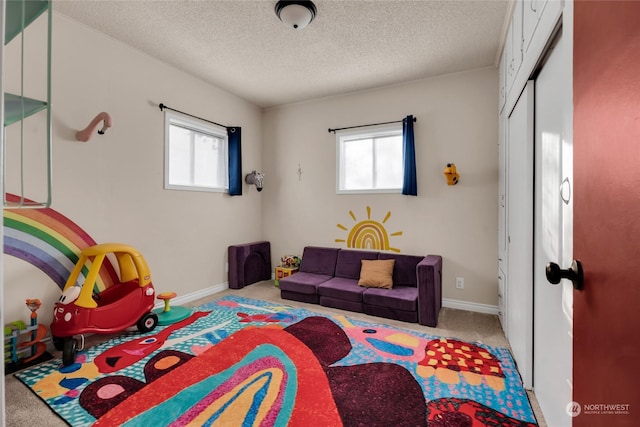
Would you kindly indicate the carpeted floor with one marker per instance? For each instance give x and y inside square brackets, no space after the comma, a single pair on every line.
[24,408]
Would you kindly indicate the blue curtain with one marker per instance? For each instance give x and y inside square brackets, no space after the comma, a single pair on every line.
[235,161]
[409,184]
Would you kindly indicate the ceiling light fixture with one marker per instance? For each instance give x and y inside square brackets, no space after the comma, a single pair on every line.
[296,14]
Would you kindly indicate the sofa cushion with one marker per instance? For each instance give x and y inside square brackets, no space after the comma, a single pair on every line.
[303,283]
[377,273]
[349,263]
[404,272]
[341,288]
[296,296]
[341,304]
[390,313]
[319,260]
[249,263]
[400,297]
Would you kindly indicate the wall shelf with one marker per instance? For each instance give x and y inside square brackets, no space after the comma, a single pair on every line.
[19,14]
[14,24]
[13,108]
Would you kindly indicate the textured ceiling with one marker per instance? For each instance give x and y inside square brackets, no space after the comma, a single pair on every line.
[242,47]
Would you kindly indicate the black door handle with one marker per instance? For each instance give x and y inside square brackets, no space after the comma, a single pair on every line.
[575,274]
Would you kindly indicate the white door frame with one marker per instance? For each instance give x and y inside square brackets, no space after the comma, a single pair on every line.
[553,304]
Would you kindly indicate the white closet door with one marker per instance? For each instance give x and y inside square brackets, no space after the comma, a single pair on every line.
[520,233]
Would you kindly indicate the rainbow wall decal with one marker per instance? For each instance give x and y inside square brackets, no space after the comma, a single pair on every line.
[368,234]
[49,241]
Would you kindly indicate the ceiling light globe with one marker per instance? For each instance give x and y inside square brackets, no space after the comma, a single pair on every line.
[296,14]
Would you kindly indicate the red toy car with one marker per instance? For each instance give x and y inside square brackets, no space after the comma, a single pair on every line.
[81,310]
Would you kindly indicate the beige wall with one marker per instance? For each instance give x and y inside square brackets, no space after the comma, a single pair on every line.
[456,122]
[112,186]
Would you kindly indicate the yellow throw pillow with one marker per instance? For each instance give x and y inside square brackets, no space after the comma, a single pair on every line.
[377,273]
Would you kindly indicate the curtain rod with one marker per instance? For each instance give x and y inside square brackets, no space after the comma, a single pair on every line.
[372,124]
[163,106]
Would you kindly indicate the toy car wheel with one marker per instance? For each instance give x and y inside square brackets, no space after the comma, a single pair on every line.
[69,351]
[58,343]
[147,322]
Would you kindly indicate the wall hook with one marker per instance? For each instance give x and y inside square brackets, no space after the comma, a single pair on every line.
[255,178]
[85,134]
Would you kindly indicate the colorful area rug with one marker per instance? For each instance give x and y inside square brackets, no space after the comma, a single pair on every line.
[243,362]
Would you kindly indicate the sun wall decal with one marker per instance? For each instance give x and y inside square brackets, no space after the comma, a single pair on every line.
[368,234]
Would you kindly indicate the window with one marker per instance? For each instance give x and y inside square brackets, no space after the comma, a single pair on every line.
[195,155]
[370,161]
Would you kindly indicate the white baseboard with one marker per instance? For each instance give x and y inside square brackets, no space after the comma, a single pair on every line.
[446,302]
[202,293]
[470,306]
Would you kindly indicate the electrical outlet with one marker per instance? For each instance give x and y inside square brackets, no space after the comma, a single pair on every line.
[459,282]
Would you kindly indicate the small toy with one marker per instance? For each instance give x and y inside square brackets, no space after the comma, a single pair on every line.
[34,348]
[290,261]
[452,174]
[168,315]
[84,309]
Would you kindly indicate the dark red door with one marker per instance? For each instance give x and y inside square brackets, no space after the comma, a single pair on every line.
[606,345]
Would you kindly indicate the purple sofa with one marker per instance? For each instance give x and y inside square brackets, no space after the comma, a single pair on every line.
[329,277]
